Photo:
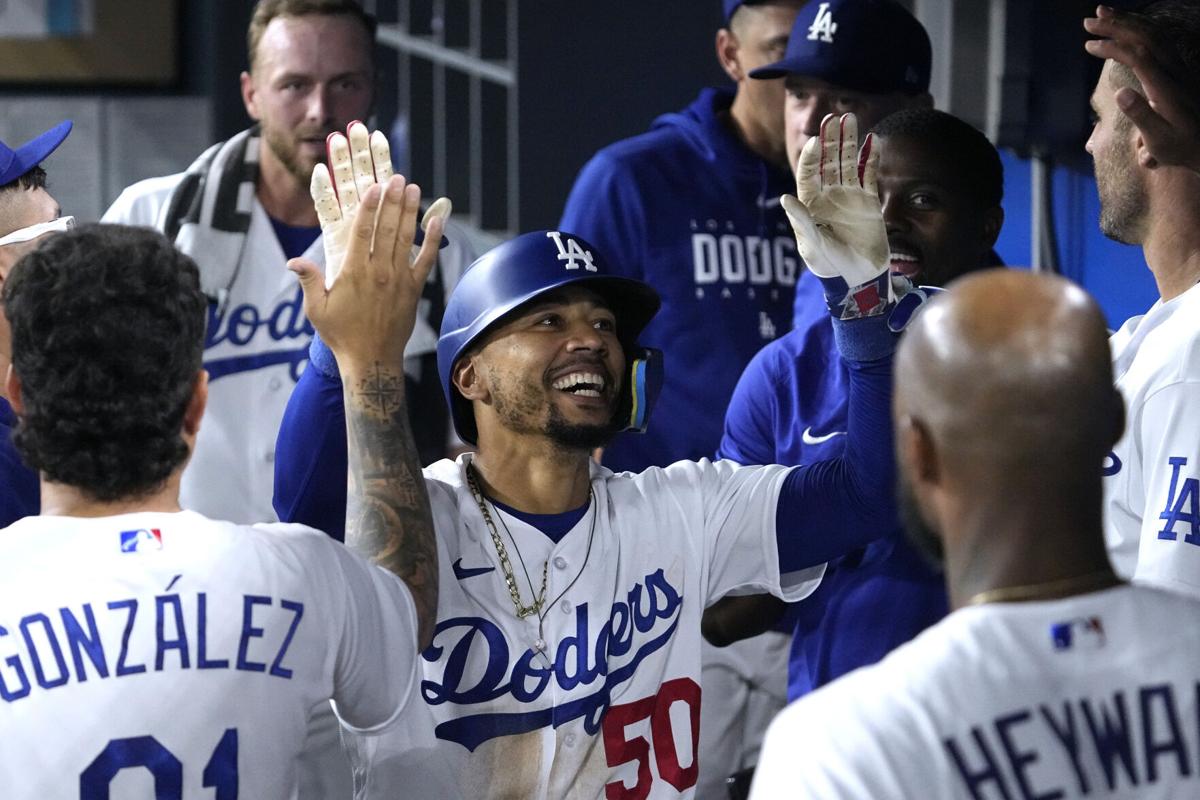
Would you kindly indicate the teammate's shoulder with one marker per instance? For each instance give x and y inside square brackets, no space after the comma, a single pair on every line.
[1185,366]
[1159,602]
[803,344]
[273,536]
[683,475]
[141,199]
[798,359]
[285,530]
[659,146]
[153,186]
[862,698]
[1166,363]
[932,659]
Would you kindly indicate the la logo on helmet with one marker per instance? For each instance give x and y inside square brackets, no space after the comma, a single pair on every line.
[823,27]
[571,252]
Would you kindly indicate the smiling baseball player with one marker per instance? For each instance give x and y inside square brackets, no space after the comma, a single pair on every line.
[171,655]
[1152,476]
[1050,678]
[565,661]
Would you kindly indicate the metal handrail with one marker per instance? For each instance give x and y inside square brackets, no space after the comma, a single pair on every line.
[494,70]
[468,62]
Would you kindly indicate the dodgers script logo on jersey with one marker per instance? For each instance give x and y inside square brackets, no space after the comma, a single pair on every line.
[1183,505]
[470,663]
[246,325]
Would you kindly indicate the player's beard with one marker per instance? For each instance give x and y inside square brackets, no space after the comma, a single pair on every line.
[573,436]
[522,407]
[1122,195]
[920,534]
[283,145]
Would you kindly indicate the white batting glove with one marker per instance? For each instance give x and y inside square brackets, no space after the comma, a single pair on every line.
[358,160]
[838,219]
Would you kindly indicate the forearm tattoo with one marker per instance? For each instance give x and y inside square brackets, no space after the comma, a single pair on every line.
[388,519]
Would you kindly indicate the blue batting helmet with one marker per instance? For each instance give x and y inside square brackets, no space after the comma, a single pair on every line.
[510,275]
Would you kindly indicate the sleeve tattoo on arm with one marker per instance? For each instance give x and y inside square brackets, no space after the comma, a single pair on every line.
[388,518]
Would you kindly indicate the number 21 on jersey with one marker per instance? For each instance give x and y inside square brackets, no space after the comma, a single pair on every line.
[146,752]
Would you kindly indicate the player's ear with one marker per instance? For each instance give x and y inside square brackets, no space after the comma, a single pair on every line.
[993,221]
[12,388]
[1144,158]
[7,259]
[727,54]
[195,407]
[249,96]
[917,452]
[466,378]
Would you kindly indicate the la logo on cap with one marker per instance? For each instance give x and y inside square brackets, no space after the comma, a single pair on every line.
[823,27]
[572,252]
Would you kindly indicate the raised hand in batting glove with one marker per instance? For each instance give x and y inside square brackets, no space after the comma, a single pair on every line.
[838,220]
[357,161]
[366,315]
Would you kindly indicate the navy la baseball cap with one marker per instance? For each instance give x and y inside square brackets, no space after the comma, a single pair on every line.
[15,163]
[873,46]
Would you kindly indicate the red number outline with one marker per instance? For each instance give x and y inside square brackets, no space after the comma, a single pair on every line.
[619,750]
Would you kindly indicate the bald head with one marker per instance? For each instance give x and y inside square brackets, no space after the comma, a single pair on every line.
[1005,410]
[1014,365]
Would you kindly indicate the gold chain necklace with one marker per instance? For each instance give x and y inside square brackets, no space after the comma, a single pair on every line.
[505,565]
[1078,584]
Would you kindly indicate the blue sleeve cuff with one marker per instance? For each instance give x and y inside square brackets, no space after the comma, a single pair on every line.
[322,359]
[864,339]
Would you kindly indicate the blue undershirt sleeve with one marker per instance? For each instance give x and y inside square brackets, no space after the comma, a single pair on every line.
[829,508]
[310,450]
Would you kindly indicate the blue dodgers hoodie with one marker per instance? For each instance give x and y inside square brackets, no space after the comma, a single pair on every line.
[791,407]
[689,209]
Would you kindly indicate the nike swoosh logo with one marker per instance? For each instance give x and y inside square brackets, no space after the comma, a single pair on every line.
[808,437]
[462,573]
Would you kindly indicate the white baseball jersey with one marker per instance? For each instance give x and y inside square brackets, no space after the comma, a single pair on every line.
[1152,477]
[254,353]
[601,697]
[1088,696]
[745,686]
[171,656]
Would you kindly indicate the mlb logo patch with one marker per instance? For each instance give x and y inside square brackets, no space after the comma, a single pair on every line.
[140,540]
[1082,631]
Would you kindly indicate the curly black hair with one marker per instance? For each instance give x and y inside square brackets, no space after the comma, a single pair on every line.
[107,338]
